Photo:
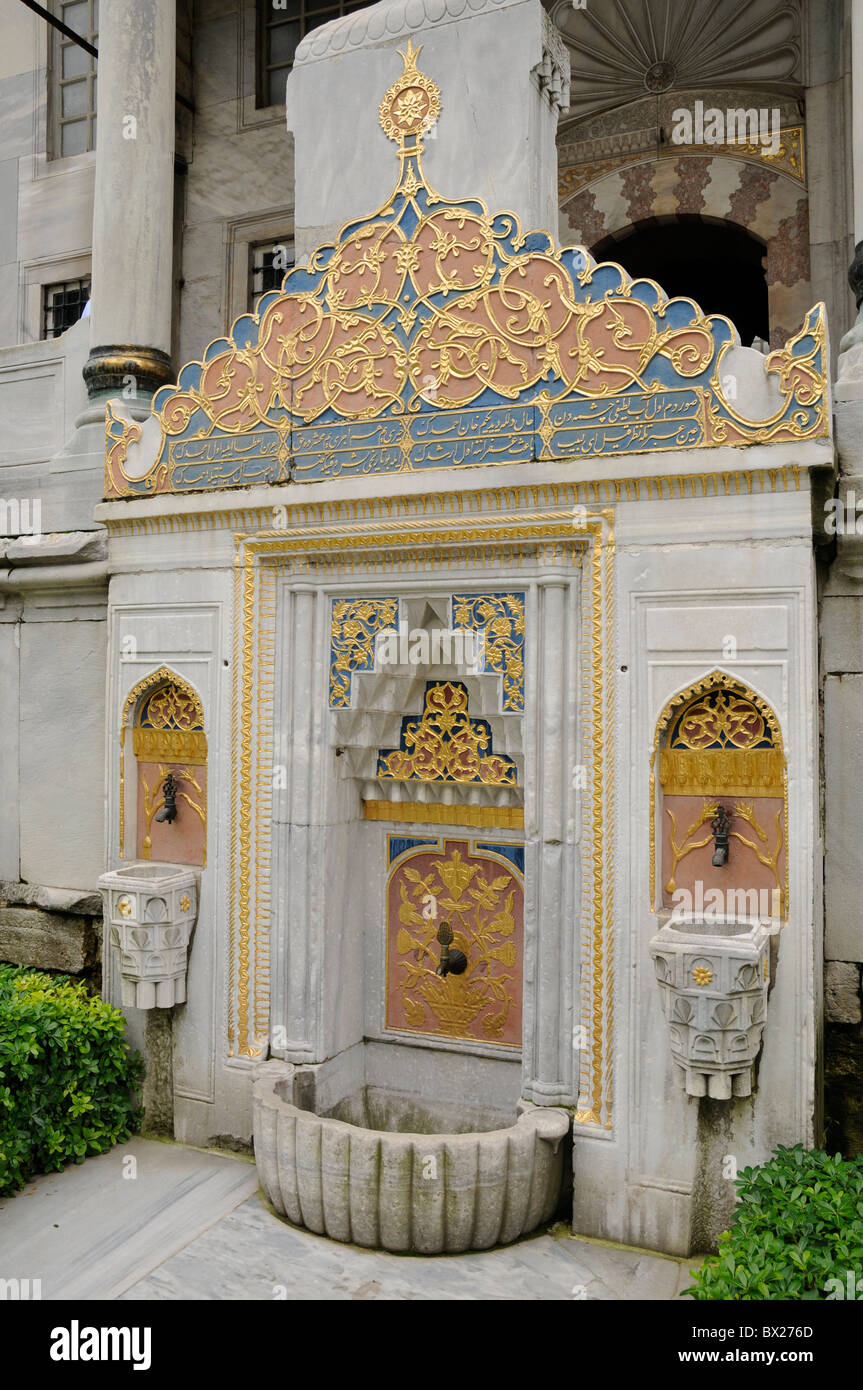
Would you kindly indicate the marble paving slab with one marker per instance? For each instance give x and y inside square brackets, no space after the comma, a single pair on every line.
[251,1254]
[93,1229]
[191,1225]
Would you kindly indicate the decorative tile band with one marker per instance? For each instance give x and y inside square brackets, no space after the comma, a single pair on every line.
[595,492]
[353,629]
[500,618]
[788,159]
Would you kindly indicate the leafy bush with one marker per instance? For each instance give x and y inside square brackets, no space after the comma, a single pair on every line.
[798,1224]
[66,1075]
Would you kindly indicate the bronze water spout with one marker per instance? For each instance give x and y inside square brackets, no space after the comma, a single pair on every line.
[169,810]
[721,827]
[452,960]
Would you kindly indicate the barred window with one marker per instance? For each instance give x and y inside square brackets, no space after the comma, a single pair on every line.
[281,25]
[269,262]
[73,71]
[63,305]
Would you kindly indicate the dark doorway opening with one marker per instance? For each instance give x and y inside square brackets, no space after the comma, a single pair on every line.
[717,264]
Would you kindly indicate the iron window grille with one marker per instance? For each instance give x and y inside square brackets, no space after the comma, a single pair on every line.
[63,305]
[263,274]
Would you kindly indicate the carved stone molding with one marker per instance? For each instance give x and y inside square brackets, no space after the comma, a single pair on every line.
[390,19]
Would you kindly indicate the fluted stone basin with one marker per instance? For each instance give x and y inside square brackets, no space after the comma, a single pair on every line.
[429,1193]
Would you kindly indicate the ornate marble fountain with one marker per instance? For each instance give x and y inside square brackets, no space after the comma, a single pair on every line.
[444,426]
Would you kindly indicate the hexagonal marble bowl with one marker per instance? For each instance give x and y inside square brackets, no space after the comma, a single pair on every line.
[713,974]
[149,914]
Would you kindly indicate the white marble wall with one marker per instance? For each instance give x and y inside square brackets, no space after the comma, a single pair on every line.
[179,617]
[52,633]
[689,575]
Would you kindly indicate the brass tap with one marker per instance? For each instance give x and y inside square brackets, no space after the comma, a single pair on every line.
[452,961]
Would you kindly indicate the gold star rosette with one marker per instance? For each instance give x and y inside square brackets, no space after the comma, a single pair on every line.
[412,104]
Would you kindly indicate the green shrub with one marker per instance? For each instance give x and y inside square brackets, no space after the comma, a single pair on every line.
[798,1224]
[66,1075]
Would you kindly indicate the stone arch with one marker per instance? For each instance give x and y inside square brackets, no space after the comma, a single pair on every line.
[148,684]
[716,679]
[764,201]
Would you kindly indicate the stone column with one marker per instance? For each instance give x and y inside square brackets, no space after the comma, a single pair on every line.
[857,114]
[550,859]
[133,213]
[841,630]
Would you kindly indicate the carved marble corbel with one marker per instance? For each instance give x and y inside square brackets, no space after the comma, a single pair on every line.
[149,914]
[714,977]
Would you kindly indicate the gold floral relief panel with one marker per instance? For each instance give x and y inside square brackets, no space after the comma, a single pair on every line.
[479,891]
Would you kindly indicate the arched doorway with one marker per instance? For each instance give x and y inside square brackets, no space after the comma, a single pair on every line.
[718,264]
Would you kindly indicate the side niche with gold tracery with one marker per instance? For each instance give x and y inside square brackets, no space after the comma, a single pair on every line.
[718,745]
[168,741]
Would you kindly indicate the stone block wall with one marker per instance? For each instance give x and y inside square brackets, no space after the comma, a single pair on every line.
[842,695]
[52,929]
[843,1053]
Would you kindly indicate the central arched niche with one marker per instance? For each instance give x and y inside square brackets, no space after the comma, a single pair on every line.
[717,263]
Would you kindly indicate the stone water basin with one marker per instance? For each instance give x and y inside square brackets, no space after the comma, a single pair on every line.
[714,975]
[432,1193]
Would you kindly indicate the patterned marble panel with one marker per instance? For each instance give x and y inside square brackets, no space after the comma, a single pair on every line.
[481,895]
[354,626]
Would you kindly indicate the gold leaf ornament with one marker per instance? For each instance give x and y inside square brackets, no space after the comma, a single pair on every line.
[455,873]
[415,1013]
[407,912]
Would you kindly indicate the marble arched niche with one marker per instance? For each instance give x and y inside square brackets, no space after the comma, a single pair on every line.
[166,717]
[718,743]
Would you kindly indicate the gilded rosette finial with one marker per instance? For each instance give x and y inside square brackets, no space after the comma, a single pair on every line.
[412,104]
